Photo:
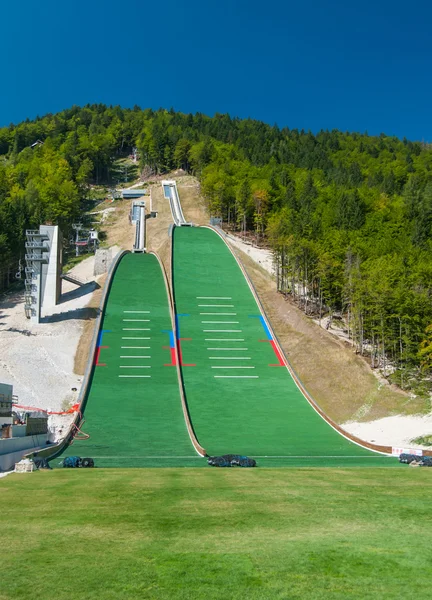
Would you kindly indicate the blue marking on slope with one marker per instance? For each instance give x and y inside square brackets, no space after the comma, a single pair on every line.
[171,337]
[100,336]
[266,329]
[264,324]
[178,323]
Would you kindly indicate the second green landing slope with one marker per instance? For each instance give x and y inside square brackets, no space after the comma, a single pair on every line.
[241,397]
[133,411]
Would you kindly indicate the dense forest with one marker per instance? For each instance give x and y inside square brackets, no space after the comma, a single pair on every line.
[348,215]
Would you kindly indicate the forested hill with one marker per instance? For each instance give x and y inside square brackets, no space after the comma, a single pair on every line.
[349,215]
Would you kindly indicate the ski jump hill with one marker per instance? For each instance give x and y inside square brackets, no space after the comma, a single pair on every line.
[173,378]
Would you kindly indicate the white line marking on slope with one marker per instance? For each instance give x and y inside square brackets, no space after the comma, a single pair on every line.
[227,349]
[135,347]
[134,376]
[213,298]
[224,322]
[229,357]
[236,376]
[136,338]
[224,340]
[127,456]
[222,330]
[135,329]
[135,356]
[324,456]
[216,305]
[135,367]
[136,320]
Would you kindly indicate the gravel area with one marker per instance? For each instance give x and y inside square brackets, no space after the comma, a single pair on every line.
[261,256]
[38,359]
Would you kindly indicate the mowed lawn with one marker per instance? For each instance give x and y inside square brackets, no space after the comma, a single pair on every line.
[216,534]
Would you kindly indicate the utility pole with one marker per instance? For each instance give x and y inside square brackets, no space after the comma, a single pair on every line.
[77,230]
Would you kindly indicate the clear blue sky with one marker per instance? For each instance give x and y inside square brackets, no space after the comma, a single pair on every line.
[313,64]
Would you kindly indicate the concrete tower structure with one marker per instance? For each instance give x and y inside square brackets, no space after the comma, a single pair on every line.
[51,271]
[43,270]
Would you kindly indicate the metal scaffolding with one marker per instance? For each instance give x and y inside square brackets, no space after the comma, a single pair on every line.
[36,245]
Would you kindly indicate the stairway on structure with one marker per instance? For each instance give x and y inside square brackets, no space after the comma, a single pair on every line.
[73,279]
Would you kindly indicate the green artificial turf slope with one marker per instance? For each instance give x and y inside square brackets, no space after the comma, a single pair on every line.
[133,412]
[216,534]
[238,400]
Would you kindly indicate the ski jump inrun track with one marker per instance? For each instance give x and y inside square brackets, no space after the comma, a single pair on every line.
[176,376]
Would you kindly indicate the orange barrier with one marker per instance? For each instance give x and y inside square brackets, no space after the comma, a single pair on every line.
[72,409]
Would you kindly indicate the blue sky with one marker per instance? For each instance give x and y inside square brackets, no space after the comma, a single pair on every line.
[308,64]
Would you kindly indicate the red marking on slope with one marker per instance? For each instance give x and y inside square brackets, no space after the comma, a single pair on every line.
[280,358]
[278,354]
[180,352]
[97,356]
[173,357]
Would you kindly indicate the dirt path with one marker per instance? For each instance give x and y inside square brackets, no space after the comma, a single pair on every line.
[117,227]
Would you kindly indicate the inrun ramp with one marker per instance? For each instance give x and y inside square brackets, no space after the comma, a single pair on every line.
[241,397]
[133,411]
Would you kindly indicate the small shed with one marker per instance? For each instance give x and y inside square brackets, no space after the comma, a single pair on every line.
[131,193]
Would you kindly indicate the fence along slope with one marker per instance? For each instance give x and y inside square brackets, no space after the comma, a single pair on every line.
[241,396]
[133,410]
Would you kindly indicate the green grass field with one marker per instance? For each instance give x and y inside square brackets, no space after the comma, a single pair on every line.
[125,534]
[240,400]
[133,411]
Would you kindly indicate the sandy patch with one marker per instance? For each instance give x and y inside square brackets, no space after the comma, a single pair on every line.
[119,231]
[191,201]
[262,256]
[397,430]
